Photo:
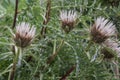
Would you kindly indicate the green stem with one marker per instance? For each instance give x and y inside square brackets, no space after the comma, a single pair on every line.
[51,58]
[87,48]
[20,56]
[17,56]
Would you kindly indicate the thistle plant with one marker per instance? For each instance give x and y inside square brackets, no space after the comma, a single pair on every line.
[104,32]
[101,30]
[112,52]
[68,20]
[54,55]
[111,49]
[24,35]
[22,38]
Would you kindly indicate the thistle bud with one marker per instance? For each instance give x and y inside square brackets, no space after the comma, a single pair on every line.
[102,29]
[107,54]
[112,49]
[68,20]
[24,34]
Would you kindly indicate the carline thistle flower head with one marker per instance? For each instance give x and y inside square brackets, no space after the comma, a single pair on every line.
[68,20]
[24,34]
[114,46]
[102,29]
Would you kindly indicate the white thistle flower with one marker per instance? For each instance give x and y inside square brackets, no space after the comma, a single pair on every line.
[114,46]
[68,19]
[102,30]
[24,34]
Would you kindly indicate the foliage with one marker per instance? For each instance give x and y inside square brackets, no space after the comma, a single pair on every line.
[74,47]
